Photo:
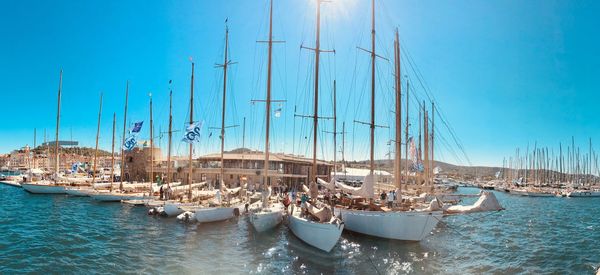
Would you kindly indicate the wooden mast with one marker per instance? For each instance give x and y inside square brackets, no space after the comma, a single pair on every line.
[224,65]
[123,140]
[268,99]
[406,133]
[170,137]
[35,144]
[334,131]
[398,138]
[344,146]
[432,140]
[151,149]
[316,101]
[57,155]
[97,137]
[191,143]
[47,151]
[372,125]
[112,154]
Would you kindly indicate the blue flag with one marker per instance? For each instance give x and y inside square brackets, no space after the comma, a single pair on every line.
[137,127]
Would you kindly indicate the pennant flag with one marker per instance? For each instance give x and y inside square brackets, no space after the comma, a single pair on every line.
[192,133]
[278,112]
[137,127]
[130,143]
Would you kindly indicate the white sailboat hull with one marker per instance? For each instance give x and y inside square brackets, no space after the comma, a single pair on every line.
[173,209]
[397,225]
[267,219]
[579,194]
[214,214]
[11,183]
[43,188]
[323,236]
[78,192]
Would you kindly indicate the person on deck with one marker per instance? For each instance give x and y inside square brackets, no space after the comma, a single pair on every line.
[161,192]
[303,201]
[390,200]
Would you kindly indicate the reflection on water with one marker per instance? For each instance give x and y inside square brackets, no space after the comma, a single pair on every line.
[61,234]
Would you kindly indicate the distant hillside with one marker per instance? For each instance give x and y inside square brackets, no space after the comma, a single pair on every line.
[456,171]
[85,151]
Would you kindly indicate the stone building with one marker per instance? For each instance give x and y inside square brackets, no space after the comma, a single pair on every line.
[284,169]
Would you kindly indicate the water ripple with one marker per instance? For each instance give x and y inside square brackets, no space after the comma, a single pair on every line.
[60,234]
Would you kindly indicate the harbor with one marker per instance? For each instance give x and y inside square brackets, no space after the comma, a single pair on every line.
[65,234]
[195,140]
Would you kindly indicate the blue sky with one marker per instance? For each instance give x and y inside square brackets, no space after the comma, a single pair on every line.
[504,73]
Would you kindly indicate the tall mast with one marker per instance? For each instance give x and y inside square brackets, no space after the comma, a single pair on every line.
[170,136]
[406,133]
[344,146]
[268,99]
[334,131]
[35,144]
[316,101]
[426,145]
[112,154]
[243,140]
[47,151]
[97,137]
[224,65]
[398,139]
[151,149]
[191,122]
[56,165]
[372,141]
[432,138]
[123,140]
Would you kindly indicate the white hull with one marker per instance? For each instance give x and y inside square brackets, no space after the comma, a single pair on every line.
[11,183]
[397,225]
[79,192]
[173,209]
[43,188]
[579,194]
[323,236]
[214,214]
[267,219]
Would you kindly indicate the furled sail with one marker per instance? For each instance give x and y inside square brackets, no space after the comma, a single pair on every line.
[365,190]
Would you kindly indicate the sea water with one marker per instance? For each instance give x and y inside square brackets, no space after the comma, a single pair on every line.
[63,234]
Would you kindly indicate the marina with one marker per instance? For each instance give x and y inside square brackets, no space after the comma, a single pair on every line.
[249,171]
[76,233]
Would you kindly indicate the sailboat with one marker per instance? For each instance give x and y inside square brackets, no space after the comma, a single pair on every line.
[221,212]
[86,191]
[113,196]
[174,208]
[269,216]
[390,224]
[45,186]
[324,232]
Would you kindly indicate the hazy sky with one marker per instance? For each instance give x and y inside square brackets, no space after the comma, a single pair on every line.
[504,73]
